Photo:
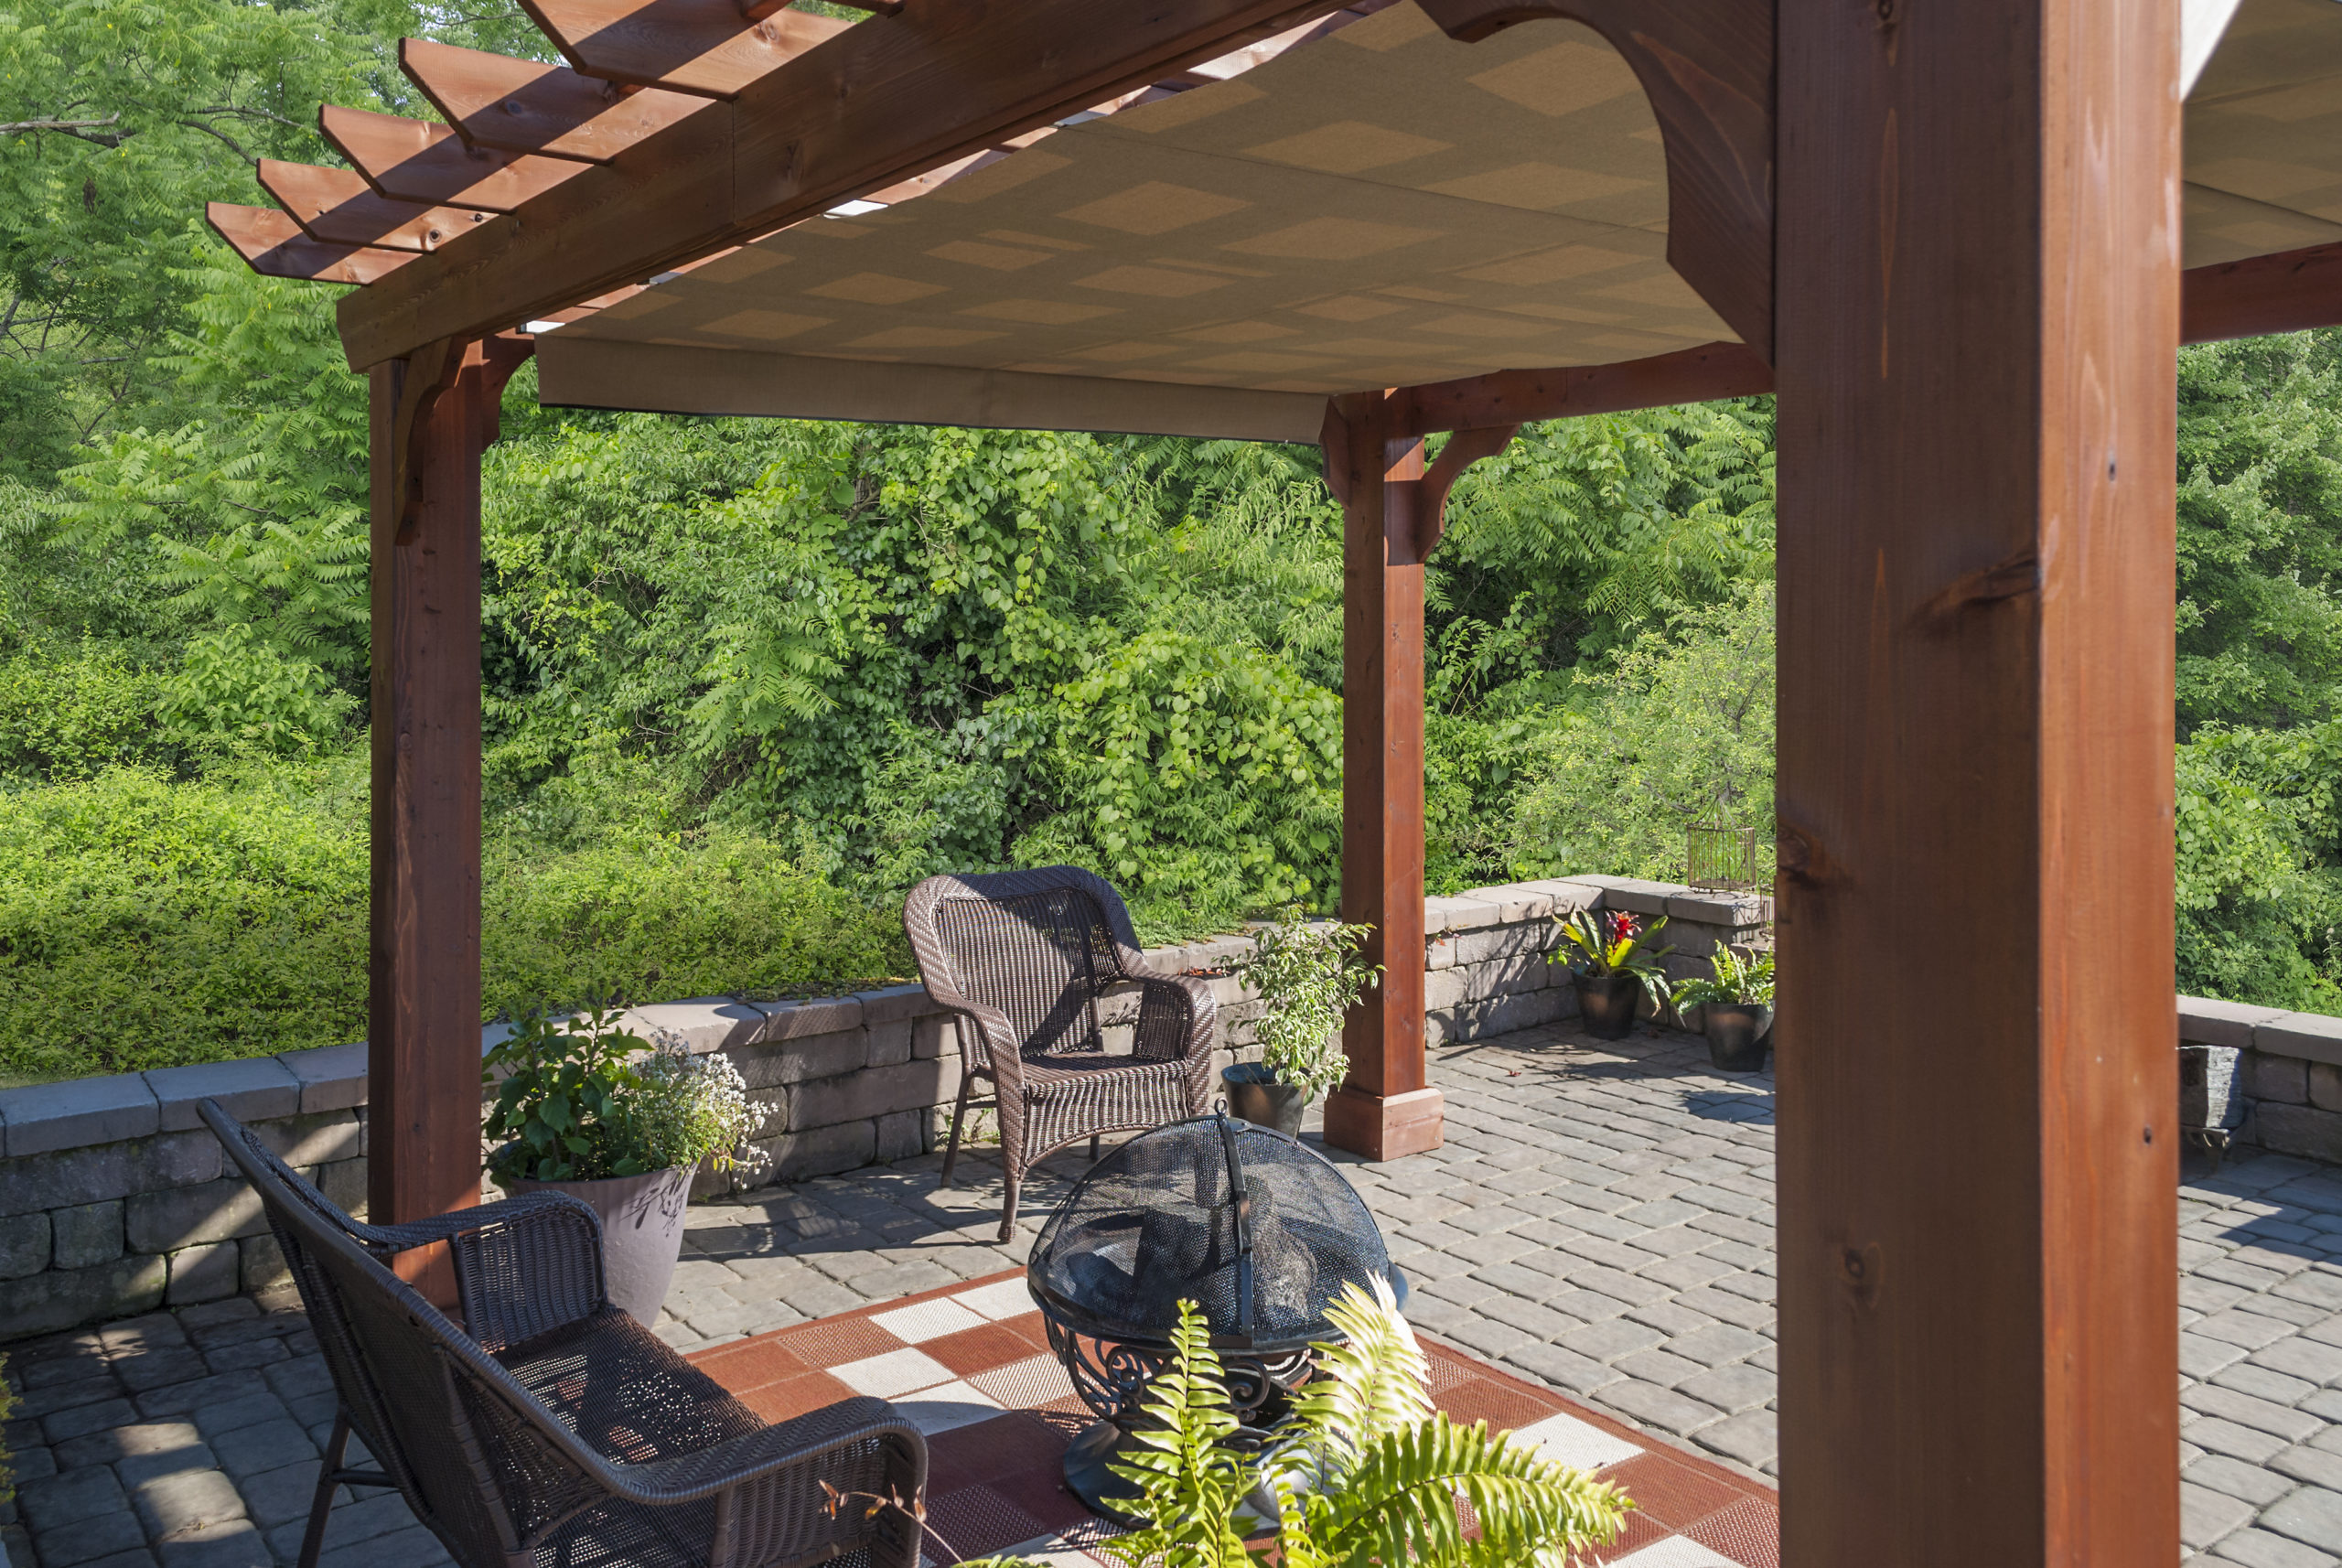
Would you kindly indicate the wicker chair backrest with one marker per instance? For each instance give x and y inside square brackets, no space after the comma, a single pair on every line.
[1039,954]
[477,1457]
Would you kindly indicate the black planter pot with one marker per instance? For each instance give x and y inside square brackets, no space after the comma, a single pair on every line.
[1738,1036]
[1606,1003]
[1255,1096]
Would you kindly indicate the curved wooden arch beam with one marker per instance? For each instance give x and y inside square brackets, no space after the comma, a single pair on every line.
[1464,448]
[419,160]
[522,107]
[1707,67]
[274,246]
[338,206]
[702,47]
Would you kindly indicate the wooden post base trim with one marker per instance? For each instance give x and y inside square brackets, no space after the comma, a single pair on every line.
[1386,1127]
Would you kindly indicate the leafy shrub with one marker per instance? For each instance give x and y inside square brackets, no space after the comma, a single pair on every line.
[234,691]
[74,714]
[147,923]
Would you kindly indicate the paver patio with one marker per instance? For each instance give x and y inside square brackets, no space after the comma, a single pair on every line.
[1601,1220]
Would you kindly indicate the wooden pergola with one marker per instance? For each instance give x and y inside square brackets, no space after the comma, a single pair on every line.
[1951,237]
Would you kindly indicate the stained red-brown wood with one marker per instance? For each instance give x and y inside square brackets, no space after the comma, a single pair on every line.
[702,47]
[273,246]
[1464,448]
[432,416]
[1977,312]
[759,9]
[524,106]
[1519,397]
[1386,1108]
[338,206]
[1707,67]
[2289,292]
[880,103]
[418,160]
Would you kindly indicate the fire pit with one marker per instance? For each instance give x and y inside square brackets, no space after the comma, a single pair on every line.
[1254,1228]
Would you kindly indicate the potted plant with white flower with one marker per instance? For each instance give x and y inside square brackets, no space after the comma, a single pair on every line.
[621,1123]
[1307,974]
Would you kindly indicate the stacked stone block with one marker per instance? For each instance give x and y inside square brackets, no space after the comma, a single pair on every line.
[114,1199]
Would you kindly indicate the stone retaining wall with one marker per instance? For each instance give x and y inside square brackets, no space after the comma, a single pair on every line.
[114,1199]
[2292,1071]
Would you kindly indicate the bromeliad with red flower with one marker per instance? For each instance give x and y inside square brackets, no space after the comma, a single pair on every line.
[1600,944]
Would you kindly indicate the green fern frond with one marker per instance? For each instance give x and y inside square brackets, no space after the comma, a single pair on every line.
[1189,1481]
[1401,1503]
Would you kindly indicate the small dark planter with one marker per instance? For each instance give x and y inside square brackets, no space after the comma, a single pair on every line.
[1606,1003]
[1738,1036]
[1255,1096]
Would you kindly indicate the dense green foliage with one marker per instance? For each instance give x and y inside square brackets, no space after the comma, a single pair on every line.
[747,680]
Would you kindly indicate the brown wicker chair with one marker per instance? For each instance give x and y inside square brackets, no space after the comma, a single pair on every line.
[559,1433]
[1023,956]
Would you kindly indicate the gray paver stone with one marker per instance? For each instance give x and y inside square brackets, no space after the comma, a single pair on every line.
[1733,1388]
[1753,1437]
[1608,1340]
[96,1539]
[228,1544]
[69,1498]
[270,1445]
[187,1500]
[2260,1548]
[2311,1514]
[2233,1478]
[2205,1515]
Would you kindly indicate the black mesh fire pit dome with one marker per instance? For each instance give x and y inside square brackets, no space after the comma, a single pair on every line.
[1254,1228]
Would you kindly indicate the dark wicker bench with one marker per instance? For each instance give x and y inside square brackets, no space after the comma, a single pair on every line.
[1023,956]
[559,1433]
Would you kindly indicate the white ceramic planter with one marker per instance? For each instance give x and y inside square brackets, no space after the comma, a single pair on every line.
[642,1231]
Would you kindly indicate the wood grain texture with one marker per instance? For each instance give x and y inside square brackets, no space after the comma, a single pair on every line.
[338,206]
[522,107]
[273,246]
[417,160]
[432,416]
[702,47]
[2289,292]
[1706,67]
[880,103]
[1517,397]
[1464,448]
[1382,783]
[1977,315]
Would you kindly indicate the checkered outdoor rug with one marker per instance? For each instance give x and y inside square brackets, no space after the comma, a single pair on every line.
[970,1368]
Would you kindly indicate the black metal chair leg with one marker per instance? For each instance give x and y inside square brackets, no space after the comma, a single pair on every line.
[1093,1148]
[959,1114]
[313,1540]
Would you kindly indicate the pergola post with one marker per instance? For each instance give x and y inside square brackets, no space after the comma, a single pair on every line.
[433,415]
[1386,1108]
[1976,318]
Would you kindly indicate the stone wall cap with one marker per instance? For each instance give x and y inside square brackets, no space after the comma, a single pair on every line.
[889,1003]
[44,1117]
[1517,901]
[2311,1036]
[330,1077]
[704,1023]
[800,1016]
[1717,909]
[250,1089]
[1460,914]
[2212,1020]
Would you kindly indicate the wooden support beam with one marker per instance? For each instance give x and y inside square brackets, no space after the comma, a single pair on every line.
[1386,1108]
[338,206]
[416,160]
[2289,292]
[702,47]
[1978,309]
[1464,448]
[433,413]
[1519,397]
[522,107]
[1707,67]
[875,105]
[273,246]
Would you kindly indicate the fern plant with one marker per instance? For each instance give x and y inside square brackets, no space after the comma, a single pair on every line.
[1368,1471]
[1742,981]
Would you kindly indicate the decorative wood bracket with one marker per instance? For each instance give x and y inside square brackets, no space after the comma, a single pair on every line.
[1464,448]
[1360,423]
[432,372]
[1707,67]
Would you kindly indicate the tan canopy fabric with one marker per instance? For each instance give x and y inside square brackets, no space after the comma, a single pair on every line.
[1381,206]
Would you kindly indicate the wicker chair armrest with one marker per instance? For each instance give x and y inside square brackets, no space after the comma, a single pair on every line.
[996,1046]
[769,1486]
[1176,1017]
[523,1266]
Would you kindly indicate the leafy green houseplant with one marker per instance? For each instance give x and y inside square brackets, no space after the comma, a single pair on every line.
[1366,1472]
[621,1123]
[1737,1004]
[1611,967]
[1307,974]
